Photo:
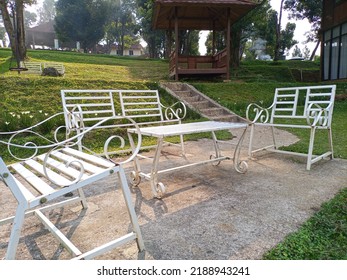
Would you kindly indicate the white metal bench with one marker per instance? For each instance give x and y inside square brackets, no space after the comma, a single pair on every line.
[32,67]
[143,106]
[41,178]
[58,66]
[309,107]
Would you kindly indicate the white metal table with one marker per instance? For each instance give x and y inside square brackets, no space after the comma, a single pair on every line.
[160,132]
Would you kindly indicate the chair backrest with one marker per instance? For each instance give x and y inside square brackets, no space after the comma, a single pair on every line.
[32,67]
[294,102]
[143,106]
[94,105]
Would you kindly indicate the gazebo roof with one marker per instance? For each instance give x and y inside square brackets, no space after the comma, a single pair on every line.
[199,14]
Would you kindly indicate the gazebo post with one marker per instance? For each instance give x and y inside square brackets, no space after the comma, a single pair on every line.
[176,45]
[228,45]
[214,38]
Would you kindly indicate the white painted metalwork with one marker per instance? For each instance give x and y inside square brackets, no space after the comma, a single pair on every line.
[317,112]
[42,177]
[143,106]
[160,132]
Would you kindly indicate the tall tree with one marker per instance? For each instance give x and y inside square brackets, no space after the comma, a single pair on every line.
[278,33]
[254,25]
[81,20]
[12,12]
[29,18]
[310,10]
[287,39]
[156,39]
[47,11]
[296,52]
[189,42]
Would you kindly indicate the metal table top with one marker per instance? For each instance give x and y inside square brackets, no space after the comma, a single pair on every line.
[187,128]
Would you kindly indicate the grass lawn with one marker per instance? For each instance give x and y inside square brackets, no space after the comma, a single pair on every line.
[324,236]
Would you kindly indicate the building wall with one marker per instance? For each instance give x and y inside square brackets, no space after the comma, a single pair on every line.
[334,40]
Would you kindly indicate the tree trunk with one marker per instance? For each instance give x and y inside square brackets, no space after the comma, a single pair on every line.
[235,48]
[314,50]
[16,33]
[22,51]
[278,34]
[8,26]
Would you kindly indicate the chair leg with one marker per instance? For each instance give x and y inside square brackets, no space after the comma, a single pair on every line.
[15,232]
[182,146]
[251,135]
[330,135]
[130,207]
[310,149]
[273,137]
[83,198]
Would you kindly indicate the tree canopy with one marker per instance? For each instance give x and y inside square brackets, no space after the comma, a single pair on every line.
[81,21]
[310,10]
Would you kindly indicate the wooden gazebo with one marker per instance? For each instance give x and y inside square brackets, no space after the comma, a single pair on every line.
[215,15]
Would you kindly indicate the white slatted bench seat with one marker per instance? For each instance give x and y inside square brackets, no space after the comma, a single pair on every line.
[58,66]
[308,107]
[143,106]
[38,181]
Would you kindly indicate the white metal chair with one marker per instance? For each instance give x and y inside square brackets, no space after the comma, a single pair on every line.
[42,178]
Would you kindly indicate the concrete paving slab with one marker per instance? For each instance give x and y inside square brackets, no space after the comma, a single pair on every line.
[209,212]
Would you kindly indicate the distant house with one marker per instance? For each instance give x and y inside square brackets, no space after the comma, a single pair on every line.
[44,36]
[134,50]
[334,40]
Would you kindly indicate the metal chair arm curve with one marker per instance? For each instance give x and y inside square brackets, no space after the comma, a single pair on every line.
[261,114]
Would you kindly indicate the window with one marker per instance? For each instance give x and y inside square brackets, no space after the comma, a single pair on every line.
[335,53]
[131,52]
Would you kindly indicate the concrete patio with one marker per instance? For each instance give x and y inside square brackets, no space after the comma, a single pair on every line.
[209,212]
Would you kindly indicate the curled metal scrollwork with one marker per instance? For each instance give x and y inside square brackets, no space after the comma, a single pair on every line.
[29,145]
[137,147]
[75,131]
[261,114]
[175,113]
[316,115]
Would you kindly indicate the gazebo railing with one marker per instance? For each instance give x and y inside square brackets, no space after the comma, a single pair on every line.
[198,64]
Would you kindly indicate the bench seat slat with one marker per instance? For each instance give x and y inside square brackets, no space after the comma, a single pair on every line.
[26,193]
[90,168]
[37,183]
[38,167]
[70,171]
[90,158]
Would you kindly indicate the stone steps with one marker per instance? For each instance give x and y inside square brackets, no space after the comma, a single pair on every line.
[200,103]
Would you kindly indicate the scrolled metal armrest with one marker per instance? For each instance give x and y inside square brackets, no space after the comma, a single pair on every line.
[261,114]
[122,141]
[317,115]
[172,113]
[53,144]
